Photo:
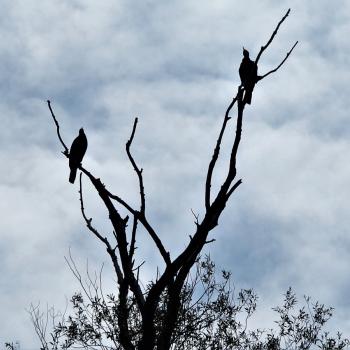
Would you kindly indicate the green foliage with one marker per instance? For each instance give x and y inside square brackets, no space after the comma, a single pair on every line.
[212,317]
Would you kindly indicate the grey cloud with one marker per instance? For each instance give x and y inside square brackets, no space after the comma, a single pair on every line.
[175,67]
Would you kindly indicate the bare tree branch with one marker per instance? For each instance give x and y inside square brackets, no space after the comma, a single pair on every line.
[141,215]
[98,235]
[133,238]
[142,218]
[196,217]
[233,188]
[136,168]
[264,47]
[66,151]
[88,221]
[280,65]
[232,170]
[119,226]
[216,154]
[122,202]
[40,323]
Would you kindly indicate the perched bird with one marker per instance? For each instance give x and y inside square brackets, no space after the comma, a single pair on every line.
[248,72]
[76,154]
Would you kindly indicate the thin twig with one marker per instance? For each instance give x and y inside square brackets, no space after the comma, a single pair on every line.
[88,221]
[264,47]
[279,66]
[231,190]
[66,151]
[72,266]
[138,267]
[210,241]
[136,168]
[110,251]
[196,216]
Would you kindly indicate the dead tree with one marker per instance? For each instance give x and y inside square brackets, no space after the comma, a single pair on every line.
[122,251]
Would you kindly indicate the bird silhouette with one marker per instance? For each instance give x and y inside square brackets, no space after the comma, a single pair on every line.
[76,154]
[248,72]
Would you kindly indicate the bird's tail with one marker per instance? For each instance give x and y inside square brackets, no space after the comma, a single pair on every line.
[72,175]
[248,97]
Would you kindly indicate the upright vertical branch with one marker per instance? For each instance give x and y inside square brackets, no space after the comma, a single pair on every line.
[136,168]
[133,238]
[141,215]
[233,158]
[264,47]
[216,154]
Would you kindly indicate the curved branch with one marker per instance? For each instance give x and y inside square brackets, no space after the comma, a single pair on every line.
[66,151]
[264,47]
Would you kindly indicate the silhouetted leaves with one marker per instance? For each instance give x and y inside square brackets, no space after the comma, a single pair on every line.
[212,316]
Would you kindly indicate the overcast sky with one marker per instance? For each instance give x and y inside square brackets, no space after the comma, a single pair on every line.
[175,66]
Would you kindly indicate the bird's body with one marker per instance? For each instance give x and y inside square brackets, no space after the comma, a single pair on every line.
[76,154]
[248,72]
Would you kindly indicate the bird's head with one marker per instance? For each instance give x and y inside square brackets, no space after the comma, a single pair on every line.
[81,131]
[245,53]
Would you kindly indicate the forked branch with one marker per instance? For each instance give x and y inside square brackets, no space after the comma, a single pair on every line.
[264,47]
